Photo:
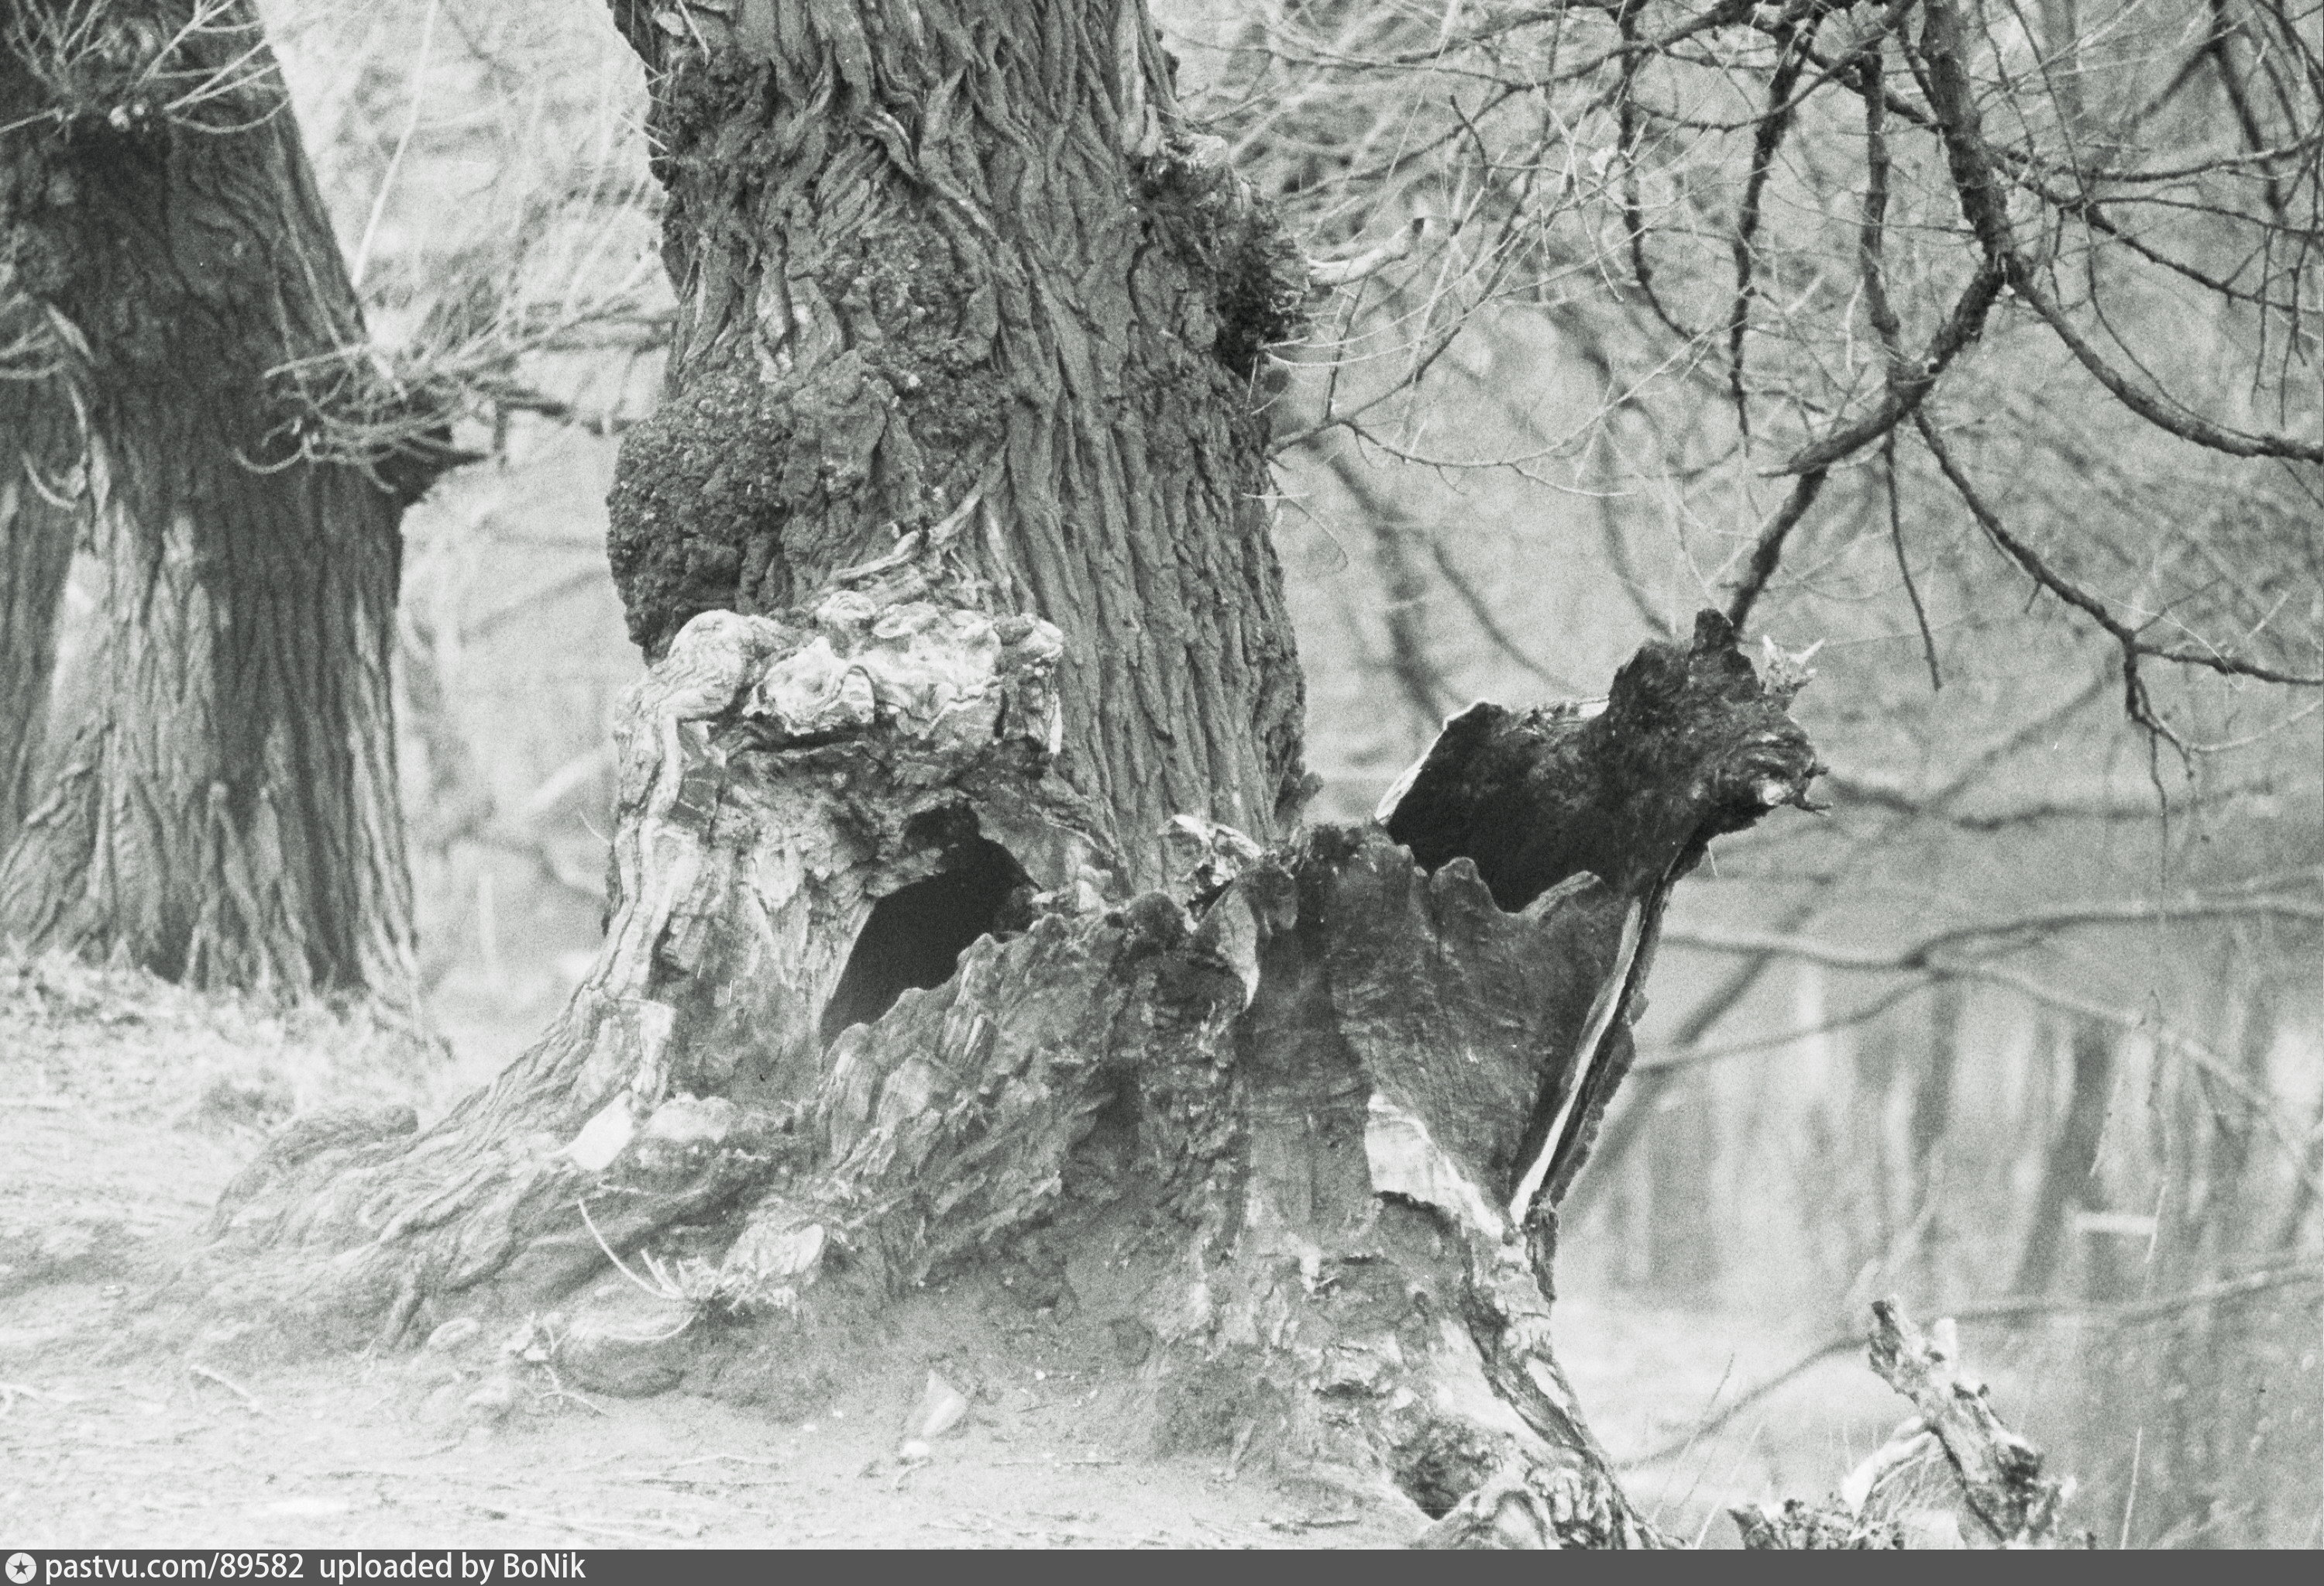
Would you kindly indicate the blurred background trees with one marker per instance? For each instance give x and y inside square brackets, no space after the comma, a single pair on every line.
[1977,342]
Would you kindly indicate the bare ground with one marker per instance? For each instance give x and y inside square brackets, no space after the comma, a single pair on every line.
[126,1105]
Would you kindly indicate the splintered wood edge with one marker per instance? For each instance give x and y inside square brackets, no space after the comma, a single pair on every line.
[2000,1472]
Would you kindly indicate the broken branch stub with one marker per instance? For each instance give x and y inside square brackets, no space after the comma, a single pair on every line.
[2000,1472]
[1690,744]
[1620,798]
[1991,1471]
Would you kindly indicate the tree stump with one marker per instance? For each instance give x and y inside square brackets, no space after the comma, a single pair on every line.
[872,1009]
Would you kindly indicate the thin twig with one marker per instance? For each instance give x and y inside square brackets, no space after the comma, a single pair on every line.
[362,261]
[1769,137]
[2021,1309]
[660,1294]
[230,1385]
[1904,563]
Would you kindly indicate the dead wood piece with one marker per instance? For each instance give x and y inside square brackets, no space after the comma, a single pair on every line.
[1523,1507]
[1623,797]
[2000,1472]
[1691,742]
[1988,1467]
[1796,1525]
[230,1385]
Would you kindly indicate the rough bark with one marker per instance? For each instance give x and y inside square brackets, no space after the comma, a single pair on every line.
[227,814]
[1537,797]
[38,526]
[951,273]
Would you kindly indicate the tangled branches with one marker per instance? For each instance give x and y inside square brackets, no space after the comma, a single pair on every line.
[1794,240]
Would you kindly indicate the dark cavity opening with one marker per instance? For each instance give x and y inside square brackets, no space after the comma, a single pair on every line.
[1437,1478]
[916,934]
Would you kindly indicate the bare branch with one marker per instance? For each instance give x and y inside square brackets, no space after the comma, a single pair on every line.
[1935,964]
[2106,1318]
[1335,273]
[1768,549]
[1945,77]
[2132,647]
[1777,120]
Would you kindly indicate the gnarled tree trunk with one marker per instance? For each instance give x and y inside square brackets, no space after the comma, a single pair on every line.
[227,814]
[950,272]
[936,949]
[1302,1118]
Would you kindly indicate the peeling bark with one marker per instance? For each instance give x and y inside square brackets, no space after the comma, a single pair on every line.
[777,780]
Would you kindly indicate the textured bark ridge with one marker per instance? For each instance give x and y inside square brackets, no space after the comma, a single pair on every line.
[782,780]
[37,529]
[948,272]
[1281,1111]
[224,812]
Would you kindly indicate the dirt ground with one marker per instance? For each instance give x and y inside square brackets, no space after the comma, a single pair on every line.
[125,1105]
